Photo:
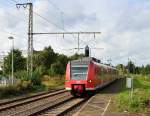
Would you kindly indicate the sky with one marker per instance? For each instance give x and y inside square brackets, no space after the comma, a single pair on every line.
[124,27]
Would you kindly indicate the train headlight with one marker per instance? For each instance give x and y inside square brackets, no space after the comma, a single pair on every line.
[90,81]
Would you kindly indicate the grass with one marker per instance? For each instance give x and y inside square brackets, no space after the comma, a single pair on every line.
[53,82]
[26,87]
[11,91]
[140,101]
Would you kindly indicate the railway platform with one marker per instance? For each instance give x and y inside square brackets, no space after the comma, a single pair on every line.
[100,104]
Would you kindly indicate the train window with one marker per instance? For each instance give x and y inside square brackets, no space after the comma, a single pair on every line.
[79,72]
[101,72]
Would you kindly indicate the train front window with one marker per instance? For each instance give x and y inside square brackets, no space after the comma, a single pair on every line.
[78,72]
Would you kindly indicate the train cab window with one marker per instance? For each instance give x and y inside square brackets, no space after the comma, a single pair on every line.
[79,72]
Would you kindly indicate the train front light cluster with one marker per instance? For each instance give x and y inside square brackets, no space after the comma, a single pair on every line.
[90,81]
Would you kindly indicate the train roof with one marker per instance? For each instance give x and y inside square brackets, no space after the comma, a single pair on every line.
[87,60]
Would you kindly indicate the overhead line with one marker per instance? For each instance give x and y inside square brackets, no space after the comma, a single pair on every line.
[68,33]
[55,6]
[50,21]
[43,17]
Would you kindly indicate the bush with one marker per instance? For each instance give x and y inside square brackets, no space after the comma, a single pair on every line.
[35,79]
[21,75]
[20,87]
[57,68]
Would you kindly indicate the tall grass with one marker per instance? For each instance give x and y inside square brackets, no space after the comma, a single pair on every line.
[140,102]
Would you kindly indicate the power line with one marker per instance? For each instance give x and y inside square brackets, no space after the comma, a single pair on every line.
[48,21]
[53,23]
[55,6]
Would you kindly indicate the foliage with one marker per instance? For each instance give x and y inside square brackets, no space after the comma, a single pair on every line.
[20,88]
[76,56]
[48,57]
[121,68]
[131,67]
[141,96]
[19,61]
[21,75]
[1,72]
[35,79]
[53,82]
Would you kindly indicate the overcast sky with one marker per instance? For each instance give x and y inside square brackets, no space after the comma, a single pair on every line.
[125,27]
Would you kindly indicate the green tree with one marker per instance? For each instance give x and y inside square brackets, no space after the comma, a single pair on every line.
[63,60]
[147,69]
[142,70]
[131,67]
[121,68]
[137,70]
[57,68]
[48,57]
[37,59]
[19,61]
[76,56]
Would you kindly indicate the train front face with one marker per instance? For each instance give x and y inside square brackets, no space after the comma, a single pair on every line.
[78,77]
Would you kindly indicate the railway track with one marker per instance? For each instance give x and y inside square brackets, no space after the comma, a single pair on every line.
[14,106]
[3,102]
[56,103]
[67,107]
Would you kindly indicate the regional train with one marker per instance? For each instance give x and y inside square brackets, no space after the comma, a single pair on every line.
[87,75]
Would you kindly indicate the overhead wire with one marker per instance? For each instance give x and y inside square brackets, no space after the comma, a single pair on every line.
[50,22]
[55,6]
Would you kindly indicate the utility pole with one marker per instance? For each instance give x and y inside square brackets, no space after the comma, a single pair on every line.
[30,38]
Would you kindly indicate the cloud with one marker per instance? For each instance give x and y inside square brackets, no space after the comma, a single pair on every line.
[124,26]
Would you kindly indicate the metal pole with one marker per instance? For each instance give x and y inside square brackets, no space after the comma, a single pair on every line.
[30,38]
[132,84]
[78,42]
[3,62]
[12,61]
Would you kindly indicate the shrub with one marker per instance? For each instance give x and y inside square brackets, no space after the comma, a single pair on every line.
[35,79]
[21,75]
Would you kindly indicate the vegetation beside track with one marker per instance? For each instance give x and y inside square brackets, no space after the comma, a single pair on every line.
[140,101]
[27,87]
[53,82]
[48,68]
[19,89]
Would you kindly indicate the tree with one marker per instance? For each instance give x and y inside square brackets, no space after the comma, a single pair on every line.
[147,69]
[57,68]
[131,67]
[137,70]
[121,68]
[19,61]
[48,57]
[63,60]
[37,59]
[142,70]
[76,56]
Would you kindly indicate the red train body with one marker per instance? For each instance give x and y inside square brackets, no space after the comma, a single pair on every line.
[88,74]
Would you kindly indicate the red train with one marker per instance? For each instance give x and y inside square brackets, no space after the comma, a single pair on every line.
[88,74]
